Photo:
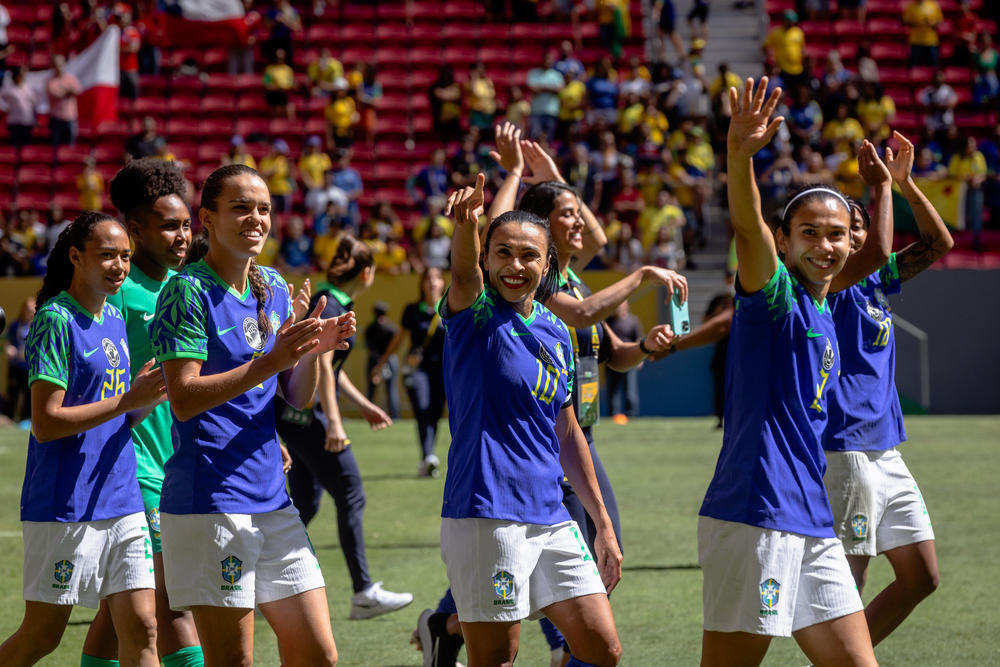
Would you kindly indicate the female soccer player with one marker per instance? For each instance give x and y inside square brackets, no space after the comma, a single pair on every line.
[224,336]
[423,373]
[877,507]
[771,563]
[149,193]
[322,457]
[85,536]
[509,545]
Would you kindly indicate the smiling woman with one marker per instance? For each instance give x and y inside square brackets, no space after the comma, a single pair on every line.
[225,334]
[80,502]
[511,549]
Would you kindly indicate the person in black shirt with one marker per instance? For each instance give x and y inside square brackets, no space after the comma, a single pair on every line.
[378,335]
[423,371]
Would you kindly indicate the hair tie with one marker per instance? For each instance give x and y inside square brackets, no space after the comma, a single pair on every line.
[818,188]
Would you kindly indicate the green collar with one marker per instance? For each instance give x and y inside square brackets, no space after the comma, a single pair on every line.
[229,288]
[570,277]
[342,298]
[76,304]
[530,318]
[820,306]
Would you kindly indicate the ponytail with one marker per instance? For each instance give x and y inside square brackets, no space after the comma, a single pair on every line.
[352,257]
[59,271]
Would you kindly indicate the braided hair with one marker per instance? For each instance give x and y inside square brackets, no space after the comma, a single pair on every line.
[210,194]
[59,274]
[549,284]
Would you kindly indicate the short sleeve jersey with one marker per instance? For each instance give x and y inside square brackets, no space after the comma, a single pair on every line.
[590,341]
[417,319]
[227,458]
[506,378]
[89,476]
[864,408]
[782,362]
[152,436]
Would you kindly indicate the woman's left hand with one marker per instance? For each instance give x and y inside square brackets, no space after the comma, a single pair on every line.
[286,459]
[376,417]
[609,558]
[300,305]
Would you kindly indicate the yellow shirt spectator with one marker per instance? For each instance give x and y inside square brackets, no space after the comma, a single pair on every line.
[630,117]
[325,247]
[280,76]
[313,168]
[653,218]
[700,155]
[325,71]
[732,80]
[90,184]
[788,45]
[340,113]
[962,166]
[420,230]
[481,96]
[278,173]
[269,254]
[571,101]
[876,114]
[843,132]
[847,178]
[922,16]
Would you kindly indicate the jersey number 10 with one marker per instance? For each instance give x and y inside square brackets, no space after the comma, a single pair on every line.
[551,374]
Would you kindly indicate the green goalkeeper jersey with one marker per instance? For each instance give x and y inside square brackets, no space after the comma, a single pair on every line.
[153,442]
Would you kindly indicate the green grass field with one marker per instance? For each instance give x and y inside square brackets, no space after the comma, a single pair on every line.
[660,469]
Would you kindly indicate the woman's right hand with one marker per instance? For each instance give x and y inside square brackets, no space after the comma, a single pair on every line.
[336,438]
[508,153]
[749,129]
[148,388]
[672,280]
[293,341]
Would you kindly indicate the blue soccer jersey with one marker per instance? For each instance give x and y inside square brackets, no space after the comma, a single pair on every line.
[782,362]
[89,476]
[227,458]
[864,408]
[506,378]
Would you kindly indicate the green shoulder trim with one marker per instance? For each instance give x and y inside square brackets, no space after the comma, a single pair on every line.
[182,354]
[47,378]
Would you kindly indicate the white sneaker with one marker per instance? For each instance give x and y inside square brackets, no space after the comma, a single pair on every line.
[375,601]
[429,466]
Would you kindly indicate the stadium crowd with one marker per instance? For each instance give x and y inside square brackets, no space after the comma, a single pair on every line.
[640,140]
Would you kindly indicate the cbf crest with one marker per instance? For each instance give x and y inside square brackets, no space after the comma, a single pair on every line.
[770,592]
[111,352]
[232,569]
[828,357]
[874,311]
[63,571]
[275,322]
[859,527]
[881,298]
[251,331]
[503,587]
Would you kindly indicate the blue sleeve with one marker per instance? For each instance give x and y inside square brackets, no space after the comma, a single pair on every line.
[771,303]
[888,275]
[474,317]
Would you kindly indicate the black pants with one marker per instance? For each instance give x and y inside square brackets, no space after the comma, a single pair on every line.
[425,387]
[315,469]
[579,514]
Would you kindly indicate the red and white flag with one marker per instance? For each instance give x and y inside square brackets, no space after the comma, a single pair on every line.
[210,23]
[96,68]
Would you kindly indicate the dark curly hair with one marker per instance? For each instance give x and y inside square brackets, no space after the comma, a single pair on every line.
[59,275]
[141,182]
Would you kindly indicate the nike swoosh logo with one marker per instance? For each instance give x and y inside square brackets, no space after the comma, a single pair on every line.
[148,316]
[88,354]
[519,333]
[223,332]
[813,334]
